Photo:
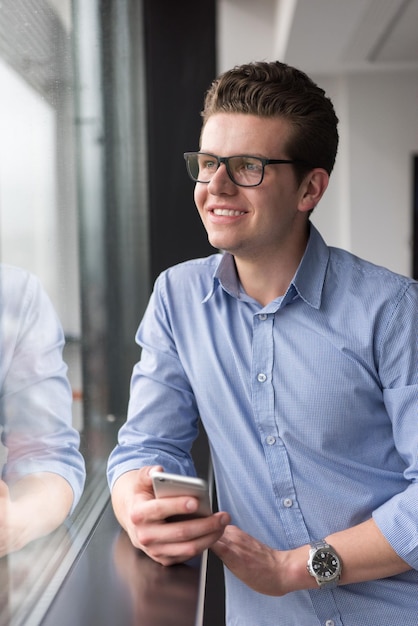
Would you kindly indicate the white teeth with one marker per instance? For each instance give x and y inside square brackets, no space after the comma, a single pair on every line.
[228,212]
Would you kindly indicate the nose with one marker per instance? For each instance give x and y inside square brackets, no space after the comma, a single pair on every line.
[221,182]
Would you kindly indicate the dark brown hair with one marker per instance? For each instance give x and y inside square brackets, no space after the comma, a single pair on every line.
[274,89]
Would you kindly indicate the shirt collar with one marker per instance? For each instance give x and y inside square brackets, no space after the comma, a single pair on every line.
[225,276]
[307,282]
[310,275]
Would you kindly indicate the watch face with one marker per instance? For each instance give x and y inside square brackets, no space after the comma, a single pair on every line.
[325,564]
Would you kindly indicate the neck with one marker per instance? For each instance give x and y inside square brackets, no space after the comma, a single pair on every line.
[268,278]
[264,284]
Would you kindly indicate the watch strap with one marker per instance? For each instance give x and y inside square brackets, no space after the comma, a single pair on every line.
[320,545]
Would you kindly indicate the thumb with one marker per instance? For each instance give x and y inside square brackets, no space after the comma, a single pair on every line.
[144,479]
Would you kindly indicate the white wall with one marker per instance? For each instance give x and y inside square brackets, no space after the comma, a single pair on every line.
[368,206]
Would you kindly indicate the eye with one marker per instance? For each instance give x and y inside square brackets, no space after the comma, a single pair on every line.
[247,168]
[207,163]
[246,165]
[252,165]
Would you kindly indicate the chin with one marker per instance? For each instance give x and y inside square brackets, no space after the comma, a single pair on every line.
[221,243]
[220,246]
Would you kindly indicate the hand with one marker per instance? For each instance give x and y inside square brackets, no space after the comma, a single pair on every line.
[34,506]
[258,566]
[144,518]
[275,573]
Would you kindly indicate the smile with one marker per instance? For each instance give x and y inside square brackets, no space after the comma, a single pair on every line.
[228,212]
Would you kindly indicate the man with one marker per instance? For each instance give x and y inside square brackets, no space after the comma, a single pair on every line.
[43,474]
[302,363]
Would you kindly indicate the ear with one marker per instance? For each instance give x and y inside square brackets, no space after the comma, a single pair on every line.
[312,189]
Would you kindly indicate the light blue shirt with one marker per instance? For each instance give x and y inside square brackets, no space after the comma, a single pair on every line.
[311,408]
[35,395]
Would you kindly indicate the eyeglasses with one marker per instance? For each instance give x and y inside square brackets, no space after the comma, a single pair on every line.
[244,170]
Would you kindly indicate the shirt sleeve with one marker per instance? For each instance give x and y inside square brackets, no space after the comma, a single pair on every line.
[162,421]
[398,517]
[36,398]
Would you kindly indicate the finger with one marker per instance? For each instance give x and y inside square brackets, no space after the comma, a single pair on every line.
[230,541]
[167,538]
[181,551]
[177,507]
[144,480]
[147,510]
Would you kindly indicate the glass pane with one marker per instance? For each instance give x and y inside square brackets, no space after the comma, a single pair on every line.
[73,213]
[39,232]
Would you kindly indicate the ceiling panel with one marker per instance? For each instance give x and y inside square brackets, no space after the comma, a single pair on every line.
[337,35]
[400,42]
[320,36]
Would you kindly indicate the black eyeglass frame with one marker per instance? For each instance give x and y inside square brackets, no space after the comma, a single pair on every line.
[264,161]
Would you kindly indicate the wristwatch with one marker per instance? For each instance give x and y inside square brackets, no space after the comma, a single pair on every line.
[324,564]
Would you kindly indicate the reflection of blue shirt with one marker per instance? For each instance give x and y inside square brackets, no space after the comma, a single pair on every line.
[311,408]
[35,396]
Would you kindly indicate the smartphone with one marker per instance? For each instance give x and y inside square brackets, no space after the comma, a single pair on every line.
[170,485]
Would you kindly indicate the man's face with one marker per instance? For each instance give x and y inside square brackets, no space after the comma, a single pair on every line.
[253,221]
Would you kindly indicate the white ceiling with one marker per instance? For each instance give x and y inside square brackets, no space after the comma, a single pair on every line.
[353,34]
[320,36]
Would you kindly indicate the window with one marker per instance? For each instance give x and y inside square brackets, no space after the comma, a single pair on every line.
[73,212]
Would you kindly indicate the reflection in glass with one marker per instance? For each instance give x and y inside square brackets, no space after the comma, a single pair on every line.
[38,212]
[71,183]
[39,455]
[158,595]
[42,474]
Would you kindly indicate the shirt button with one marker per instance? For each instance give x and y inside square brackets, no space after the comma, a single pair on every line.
[330,622]
[262,317]
[270,440]
[288,502]
[261,378]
